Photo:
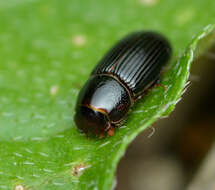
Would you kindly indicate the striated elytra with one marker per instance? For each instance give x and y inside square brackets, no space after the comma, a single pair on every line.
[121,77]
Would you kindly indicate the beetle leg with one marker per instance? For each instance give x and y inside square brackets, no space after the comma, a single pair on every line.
[161,85]
[154,84]
[101,135]
[110,131]
[157,83]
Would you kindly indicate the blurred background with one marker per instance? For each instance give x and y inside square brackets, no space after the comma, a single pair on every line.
[174,151]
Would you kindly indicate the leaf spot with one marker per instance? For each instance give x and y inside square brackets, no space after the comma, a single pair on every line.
[54,90]
[19,187]
[149,2]
[78,169]
[79,40]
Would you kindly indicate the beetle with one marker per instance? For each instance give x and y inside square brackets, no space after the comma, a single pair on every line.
[121,77]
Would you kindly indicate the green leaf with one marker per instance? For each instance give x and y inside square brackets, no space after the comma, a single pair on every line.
[47,50]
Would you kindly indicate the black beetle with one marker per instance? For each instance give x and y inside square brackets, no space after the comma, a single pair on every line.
[122,77]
